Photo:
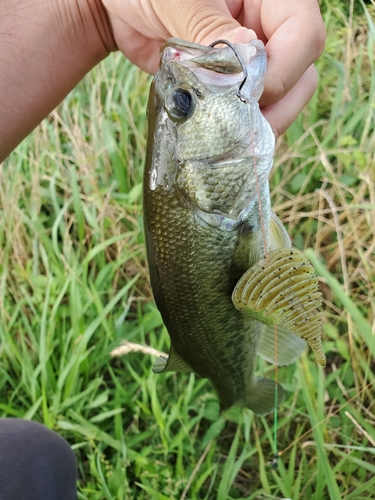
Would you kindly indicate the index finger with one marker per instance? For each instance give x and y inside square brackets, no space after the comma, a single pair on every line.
[296,37]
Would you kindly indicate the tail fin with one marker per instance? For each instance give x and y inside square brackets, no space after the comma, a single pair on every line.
[261,399]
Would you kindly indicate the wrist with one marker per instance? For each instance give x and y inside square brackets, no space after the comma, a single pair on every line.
[86,27]
[46,48]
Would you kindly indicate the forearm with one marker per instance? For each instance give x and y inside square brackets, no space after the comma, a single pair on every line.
[46,47]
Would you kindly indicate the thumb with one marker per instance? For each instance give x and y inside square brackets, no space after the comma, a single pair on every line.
[200,21]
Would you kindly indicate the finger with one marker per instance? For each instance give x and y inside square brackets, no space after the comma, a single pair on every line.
[140,15]
[142,51]
[282,114]
[291,50]
[239,35]
[199,21]
[139,49]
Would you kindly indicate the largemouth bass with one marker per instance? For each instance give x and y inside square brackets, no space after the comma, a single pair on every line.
[211,236]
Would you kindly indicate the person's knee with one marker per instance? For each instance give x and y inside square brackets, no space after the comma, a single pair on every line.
[35,462]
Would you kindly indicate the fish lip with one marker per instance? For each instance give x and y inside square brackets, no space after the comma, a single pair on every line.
[220,67]
[223,59]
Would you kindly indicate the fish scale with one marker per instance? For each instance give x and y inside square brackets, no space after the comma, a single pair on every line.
[222,185]
[188,297]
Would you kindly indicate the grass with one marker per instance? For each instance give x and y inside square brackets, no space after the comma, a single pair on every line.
[74,284]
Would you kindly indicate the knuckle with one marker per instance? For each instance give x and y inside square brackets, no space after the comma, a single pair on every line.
[206,26]
[320,38]
[276,90]
[317,31]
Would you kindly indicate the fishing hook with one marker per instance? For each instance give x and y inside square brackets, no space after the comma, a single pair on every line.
[243,67]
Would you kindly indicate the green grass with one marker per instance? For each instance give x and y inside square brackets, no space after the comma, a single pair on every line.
[74,284]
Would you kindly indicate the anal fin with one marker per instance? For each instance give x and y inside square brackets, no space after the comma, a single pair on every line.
[261,398]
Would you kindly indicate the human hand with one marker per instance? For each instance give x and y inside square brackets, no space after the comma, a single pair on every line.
[292,30]
[80,34]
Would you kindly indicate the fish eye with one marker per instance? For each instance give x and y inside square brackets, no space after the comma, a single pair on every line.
[179,104]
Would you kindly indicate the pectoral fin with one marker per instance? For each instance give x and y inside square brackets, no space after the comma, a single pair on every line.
[172,363]
[287,349]
[283,290]
[279,238]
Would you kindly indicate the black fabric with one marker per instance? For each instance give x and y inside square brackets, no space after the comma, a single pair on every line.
[35,463]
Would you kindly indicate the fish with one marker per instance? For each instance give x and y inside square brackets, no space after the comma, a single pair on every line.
[222,268]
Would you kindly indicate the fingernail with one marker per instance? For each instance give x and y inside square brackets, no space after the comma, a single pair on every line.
[240,35]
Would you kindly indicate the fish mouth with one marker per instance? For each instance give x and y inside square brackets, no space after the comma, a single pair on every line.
[221,59]
[221,65]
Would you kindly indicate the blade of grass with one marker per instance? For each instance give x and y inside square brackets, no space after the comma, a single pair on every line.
[333,283]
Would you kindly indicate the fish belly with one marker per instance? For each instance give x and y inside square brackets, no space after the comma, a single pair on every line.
[193,275]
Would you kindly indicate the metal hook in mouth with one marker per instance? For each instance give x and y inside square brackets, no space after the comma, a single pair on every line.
[243,66]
